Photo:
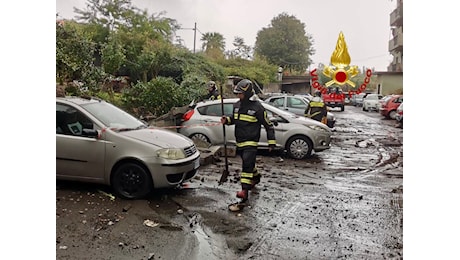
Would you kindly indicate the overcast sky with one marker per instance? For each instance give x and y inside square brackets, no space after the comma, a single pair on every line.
[364,23]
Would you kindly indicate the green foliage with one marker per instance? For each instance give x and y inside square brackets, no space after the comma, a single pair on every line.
[285,43]
[112,56]
[74,53]
[157,96]
[115,98]
[115,39]
[258,70]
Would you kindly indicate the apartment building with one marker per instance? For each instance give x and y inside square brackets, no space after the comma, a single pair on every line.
[395,45]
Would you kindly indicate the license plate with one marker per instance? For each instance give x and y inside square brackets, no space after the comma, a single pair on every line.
[332,102]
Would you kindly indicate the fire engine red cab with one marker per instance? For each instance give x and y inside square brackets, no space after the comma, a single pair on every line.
[334,97]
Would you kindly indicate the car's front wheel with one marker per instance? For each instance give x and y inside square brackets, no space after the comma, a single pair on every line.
[299,147]
[131,181]
[200,138]
[392,114]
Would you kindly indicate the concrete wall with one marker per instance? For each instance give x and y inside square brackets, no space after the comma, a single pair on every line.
[390,82]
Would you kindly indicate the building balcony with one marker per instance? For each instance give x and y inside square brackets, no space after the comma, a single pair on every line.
[398,67]
[396,44]
[396,17]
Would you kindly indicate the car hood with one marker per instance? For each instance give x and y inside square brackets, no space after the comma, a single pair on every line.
[159,137]
[307,121]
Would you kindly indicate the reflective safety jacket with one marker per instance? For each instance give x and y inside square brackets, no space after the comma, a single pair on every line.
[317,110]
[248,116]
[213,95]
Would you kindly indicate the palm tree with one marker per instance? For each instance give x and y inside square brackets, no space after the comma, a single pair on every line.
[213,44]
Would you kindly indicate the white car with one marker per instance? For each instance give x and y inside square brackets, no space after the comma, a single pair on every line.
[296,104]
[371,102]
[100,143]
[296,135]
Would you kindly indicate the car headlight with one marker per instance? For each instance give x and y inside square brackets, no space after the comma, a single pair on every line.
[317,128]
[171,153]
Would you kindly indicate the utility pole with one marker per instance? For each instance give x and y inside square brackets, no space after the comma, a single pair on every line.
[194,35]
[194,38]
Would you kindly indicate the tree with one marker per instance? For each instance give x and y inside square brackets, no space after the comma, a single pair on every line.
[74,53]
[213,45]
[241,49]
[285,43]
[108,13]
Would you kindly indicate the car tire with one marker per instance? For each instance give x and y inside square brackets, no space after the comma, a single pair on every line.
[131,181]
[201,138]
[392,114]
[342,108]
[299,147]
[364,108]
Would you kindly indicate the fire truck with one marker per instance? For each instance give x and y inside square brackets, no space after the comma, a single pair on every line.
[334,97]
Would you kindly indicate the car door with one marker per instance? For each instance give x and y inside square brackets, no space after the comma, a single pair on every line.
[279,129]
[296,105]
[78,157]
[210,117]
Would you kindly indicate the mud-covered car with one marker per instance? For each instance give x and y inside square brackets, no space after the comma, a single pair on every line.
[100,143]
[297,135]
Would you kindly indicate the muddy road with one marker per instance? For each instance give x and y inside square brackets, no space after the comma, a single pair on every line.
[344,203]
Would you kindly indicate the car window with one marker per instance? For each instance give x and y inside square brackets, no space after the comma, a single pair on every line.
[295,103]
[70,121]
[277,102]
[216,110]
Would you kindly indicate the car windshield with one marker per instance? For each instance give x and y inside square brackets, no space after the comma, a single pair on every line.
[373,97]
[113,117]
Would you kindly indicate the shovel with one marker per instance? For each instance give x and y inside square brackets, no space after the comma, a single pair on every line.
[225,173]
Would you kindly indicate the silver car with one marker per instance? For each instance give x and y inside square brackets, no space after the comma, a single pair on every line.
[296,104]
[100,143]
[297,135]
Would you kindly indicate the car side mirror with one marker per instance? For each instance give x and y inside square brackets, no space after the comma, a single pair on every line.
[274,120]
[90,132]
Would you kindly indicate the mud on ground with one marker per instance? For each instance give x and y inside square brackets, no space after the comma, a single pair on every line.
[344,203]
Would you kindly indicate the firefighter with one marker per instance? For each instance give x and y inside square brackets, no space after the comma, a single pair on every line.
[317,110]
[213,93]
[248,116]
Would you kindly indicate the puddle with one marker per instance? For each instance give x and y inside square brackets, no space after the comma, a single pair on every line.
[210,246]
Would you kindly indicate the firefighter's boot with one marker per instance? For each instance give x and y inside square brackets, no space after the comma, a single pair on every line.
[243,195]
[255,181]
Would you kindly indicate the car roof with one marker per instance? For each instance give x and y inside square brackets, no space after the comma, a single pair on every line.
[79,100]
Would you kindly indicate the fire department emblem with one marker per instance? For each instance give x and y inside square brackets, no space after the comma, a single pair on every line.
[341,71]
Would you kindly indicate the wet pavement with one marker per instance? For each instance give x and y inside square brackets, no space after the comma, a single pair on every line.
[343,203]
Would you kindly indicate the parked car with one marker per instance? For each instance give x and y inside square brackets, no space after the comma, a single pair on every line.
[357,99]
[388,108]
[399,115]
[100,143]
[296,104]
[384,99]
[297,135]
[371,102]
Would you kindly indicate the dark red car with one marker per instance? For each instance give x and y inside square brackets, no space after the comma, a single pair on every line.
[389,106]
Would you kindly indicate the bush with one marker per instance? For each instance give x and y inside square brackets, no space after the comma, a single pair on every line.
[157,96]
